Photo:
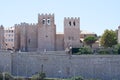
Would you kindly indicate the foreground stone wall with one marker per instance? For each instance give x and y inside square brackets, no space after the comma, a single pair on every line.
[5,61]
[60,64]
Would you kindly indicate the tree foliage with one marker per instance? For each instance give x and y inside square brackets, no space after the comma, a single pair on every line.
[84,50]
[77,78]
[116,49]
[39,76]
[109,38]
[90,40]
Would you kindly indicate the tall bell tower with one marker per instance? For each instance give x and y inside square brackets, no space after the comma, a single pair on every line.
[46,32]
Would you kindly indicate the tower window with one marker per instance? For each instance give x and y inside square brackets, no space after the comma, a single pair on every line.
[43,21]
[46,36]
[29,41]
[70,23]
[74,23]
[48,21]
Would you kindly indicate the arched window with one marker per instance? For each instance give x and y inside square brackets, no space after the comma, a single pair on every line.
[74,23]
[48,21]
[43,21]
[70,23]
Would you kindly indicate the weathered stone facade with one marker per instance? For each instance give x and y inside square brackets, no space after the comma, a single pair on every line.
[46,33]
[71,32]
[42,36]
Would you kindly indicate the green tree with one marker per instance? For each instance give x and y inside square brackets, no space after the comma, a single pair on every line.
[108,39]
[90,40]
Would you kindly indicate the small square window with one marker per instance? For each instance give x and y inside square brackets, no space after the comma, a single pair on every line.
[12,31]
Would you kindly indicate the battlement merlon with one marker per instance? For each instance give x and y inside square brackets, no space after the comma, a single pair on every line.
[45,15]
[71,21]
[71,18]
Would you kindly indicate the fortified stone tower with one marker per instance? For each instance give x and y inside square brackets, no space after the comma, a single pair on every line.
[46,32]
[2,45]
[71,32]
[118,34]
[23,37]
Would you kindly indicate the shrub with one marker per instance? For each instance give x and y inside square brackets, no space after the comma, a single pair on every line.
[77,78]
[7,76]
[103,51]
[39,76]
[84,50]
[75,50]
[116,49]
[19,78]
[1,76]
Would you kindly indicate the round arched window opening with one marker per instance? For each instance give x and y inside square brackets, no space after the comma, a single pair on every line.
[74,23]
[43,21]
[48,21]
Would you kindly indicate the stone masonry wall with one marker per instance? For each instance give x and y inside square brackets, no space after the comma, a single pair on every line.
[59,42]
[5,61]
[60,64]
[32,38]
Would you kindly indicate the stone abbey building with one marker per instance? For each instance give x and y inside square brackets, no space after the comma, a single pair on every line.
[43,37]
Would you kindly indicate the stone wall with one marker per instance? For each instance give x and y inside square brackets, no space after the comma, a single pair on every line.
[59,42]
[32,38]
[60,64]
[5,61]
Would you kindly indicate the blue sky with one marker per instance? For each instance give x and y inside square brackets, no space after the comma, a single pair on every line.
[95,15]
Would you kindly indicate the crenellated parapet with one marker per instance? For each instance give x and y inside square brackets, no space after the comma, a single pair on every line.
[46,19]
[72,21]
[72,18]
[44,15]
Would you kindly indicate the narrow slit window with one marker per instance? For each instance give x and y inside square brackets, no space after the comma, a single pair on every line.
[74,23]
[70,23]
[29,41]
[48,21]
